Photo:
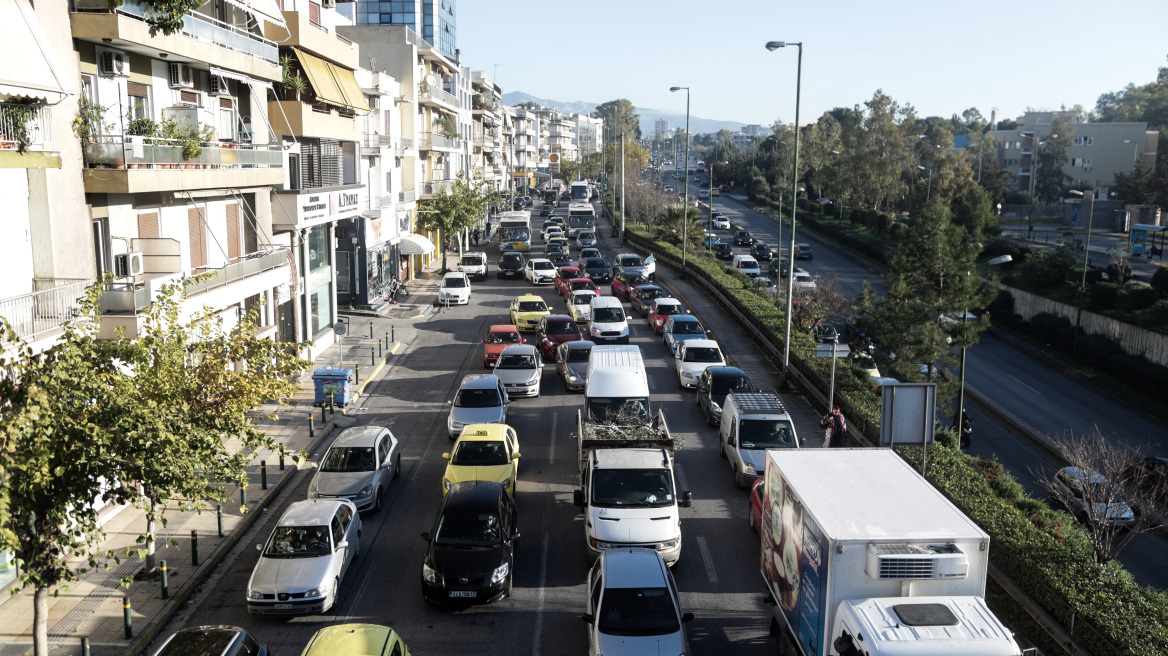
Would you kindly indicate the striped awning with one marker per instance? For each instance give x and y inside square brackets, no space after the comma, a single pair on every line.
[34,71]
[268,10]
[331,83]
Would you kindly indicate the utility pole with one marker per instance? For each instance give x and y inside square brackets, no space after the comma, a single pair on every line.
[622,205]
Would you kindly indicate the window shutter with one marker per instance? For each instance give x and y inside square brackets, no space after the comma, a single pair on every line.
[198,238]
[232,231]
[148,225]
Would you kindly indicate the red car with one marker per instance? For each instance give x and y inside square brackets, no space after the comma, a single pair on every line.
[577,284]
[756,504]
[624,283]
[555,329]
[563,275]
[498,337]
[661,309]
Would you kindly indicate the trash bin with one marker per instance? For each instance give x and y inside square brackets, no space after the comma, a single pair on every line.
[334,382]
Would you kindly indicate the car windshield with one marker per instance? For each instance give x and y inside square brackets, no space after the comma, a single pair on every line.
[532,306]
[471,260]
[561,328]
[479,454]
[608,315]
[298,542]
[594,263]
[723,385]
[542,266]
[620,411]
[517,361]
[583,299]
[687,328]
[568,272]
[467,530]
[647,488]
[349,459]
[766,434]
[589,252]
[651,293]
[512,258]
[703,354]
[637,612]
[579,355]
[502,338]
[631,261]
[478,398]
[583,284]
[636,279]
[585,235]
[669,309]
[454,282]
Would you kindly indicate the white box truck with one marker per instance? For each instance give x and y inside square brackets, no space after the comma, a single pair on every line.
[628,491]
[863,556]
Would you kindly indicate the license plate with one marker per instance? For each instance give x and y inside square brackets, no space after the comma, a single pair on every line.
[463,593]
[283,606]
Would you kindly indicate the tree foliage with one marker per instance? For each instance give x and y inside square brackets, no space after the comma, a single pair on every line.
[620,116]
[450,213]
[1052,181]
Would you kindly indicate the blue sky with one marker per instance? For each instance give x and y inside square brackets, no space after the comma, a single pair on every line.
[940,56]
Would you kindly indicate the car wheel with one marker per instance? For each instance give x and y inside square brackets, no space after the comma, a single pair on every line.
[377,501]
[740,480]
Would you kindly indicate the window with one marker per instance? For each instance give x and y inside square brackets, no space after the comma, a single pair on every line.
[226,124]
[338,532]
[139,99]
[345,516]
[318,251]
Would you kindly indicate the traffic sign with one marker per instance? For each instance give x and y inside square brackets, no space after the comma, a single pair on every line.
[830,350]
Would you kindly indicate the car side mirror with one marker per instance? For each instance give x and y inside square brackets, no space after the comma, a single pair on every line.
[686,617]
[483,341]
[588,618]
[677,355]
[578,498]
[686,499]
[342,544]
[446,456]
[450,403]
[425,535]
[515,535]
[523,340]
[507,402]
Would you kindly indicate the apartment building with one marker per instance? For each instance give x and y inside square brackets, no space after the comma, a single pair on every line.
[488,144]
[525,147]
[433,20]
[1098,152]
[589,135]
[560,131]
[661,128]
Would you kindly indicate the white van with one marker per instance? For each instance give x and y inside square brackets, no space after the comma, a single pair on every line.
[609,321]
[752,423]
[746,264]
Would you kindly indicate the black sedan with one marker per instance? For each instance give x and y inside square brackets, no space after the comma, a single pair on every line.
[510,266]
[596,268]
[471,554]
[743,238]
[761,252]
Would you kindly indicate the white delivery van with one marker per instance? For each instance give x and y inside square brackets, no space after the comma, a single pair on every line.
[747,265]
[609,323]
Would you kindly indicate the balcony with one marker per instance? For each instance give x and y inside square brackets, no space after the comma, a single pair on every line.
[29,127]
[303,120]
[316,38]
[401,144]
[375,204]
[431,94]
[436,141]
[56,301]
[406,196]
[374,140]
[486,138]
[201,39]
[431,189]
[132,165]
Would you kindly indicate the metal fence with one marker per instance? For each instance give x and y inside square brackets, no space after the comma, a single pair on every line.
[36,120]
[47,309]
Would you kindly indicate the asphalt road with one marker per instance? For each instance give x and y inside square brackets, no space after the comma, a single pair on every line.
[717,574]
[1045,398]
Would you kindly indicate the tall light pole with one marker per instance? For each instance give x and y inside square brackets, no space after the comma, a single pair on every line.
[1086,255]
[622,205]
[929,189]
[1035,143]
[685,207]
[772,46]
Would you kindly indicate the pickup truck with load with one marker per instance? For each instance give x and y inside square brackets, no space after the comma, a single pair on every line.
[626,457]
[861,555]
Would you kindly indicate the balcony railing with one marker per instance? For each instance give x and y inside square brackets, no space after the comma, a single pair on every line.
[374,140]
[435,140]
[36,121]
[406,196]
[56,302]
[436,187]
[131,297]
[196,26]
[427,90]
[378,202]
[401,144]
[116,151]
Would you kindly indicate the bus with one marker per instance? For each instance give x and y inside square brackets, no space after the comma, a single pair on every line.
[581,216]
[580,191]
[515,231]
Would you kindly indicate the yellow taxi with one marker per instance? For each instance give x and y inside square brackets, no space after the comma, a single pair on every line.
[527,310]
[366,639]
[483,452]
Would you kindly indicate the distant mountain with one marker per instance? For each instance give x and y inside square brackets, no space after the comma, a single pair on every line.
[649,116]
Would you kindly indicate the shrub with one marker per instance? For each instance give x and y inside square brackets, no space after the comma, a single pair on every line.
[1102,296]
[898,231]
[1160,280]
[1094,275]
[1098,349]
[1138,297]
[1045,325]
[882,222]
[1002,305]
[1120,272]
[1156,317]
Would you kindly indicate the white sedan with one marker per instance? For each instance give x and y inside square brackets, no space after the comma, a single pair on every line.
[693,357]
[580,305]
[721,223]
[455,289]
[539,271]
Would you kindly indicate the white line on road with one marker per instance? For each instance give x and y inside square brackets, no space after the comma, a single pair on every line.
[552,449]
[535,647]
[1027,386]
[705,549]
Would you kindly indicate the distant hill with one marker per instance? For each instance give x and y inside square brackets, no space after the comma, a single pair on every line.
[697,125]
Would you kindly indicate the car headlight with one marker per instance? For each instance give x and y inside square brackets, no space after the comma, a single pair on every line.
[500,573]
[686,374]
[717,408]
[252,594]
[668,544]
[365,492]
[430,575]
[598,544]
[572,378]
[317,592]
[534,379]
[455,425]
[748,468]
[447,483]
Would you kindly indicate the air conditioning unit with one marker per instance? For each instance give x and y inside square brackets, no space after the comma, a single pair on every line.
[128,264]
[906,562]
[218,85]
[374,102]
[114,64]
[181,76]
[328,3]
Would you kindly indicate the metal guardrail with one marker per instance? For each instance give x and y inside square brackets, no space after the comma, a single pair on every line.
[38,126]
[34,314]
[117,151]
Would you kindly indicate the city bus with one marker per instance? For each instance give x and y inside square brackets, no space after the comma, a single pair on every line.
[580,191]
[515,231]
[581,216]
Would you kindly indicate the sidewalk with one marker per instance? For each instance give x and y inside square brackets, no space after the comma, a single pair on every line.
[92,607]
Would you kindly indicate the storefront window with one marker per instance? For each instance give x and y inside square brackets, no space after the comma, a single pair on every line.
[318,250]
[322,309]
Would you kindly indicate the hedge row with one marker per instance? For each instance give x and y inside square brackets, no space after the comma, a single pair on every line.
[1042,550]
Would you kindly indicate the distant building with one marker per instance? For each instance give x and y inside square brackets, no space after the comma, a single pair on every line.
[756,130]
[743,141]
[433,19]
[588,134]
[661,128]
[1099,150]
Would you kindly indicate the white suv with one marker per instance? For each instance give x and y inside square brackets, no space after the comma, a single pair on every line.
[455,289]
[474,265]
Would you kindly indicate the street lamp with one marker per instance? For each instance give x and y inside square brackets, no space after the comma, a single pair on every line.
[772,46]
[929,188]
[839,222]
[1086,254]
[957,424]
[685,207]
[1034,171]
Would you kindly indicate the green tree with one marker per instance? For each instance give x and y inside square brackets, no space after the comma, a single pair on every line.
[620,115]
[1135,187]
[450,213]
[1052,180]
[128,420]
[882,150]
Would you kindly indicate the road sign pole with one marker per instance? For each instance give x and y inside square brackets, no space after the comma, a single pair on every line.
[831,387]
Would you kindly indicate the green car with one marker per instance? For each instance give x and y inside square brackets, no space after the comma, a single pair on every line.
[364,639]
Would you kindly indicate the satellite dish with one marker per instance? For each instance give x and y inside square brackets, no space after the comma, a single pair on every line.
[431,79]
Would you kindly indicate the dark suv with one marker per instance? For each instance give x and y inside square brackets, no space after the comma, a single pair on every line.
[723,251]
[510,266]
[596,269]
[743,238]
[761,252]
[713,386]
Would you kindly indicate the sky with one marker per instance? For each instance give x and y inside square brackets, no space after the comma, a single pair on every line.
[940,56]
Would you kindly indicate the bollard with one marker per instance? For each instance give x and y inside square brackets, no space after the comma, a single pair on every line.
[85,646]
[281,457]
[127,619]
[332,404]
[357,369]
[263,475]
[311,428]
[322,417]
[380,351]
[194,548]
[370,330]
[372,358]
[392,334]
[219,517]
[165,579]
[386,340]
[243,495]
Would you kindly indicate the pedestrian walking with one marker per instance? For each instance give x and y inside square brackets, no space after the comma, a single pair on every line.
[837,428]
[476,235]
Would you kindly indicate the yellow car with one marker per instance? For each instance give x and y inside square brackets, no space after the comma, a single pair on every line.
[483,452]
[527,310]
[365,639]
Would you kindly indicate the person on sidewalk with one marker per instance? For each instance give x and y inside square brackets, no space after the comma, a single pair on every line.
[837,428]
[476,235]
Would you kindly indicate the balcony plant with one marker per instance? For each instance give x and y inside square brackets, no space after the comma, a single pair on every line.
[89,125]
[20,114]
[443,126]
[291,84]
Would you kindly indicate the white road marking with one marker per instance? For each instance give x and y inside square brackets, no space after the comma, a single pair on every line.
[705,549]
[1028,387]
[552,448]
[535,647]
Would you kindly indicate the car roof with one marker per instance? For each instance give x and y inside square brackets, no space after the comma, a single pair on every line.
[633,567]
[579,345]
[196,640]
[699,343]
[558,317]
[666,300]
[472,495]
[679,318]
[310,512]
[726,371]
[540,259]
[479,381]
[474,253]
[358,436]
[455,274]
[523,349]
[528,297]
[504,328]
[349,639]
[1085,476]
[482,432]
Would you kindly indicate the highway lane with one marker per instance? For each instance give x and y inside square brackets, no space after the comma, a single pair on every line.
[717,574]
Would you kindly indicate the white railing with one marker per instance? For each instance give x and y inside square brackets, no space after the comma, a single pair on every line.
[378,202]
[116,151]
[406,196]
[129,297]
[48,309]
[435,140]
[35,119]
[436,187]
[427,90]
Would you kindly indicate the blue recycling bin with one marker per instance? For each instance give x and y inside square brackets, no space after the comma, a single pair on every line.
[335,382]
